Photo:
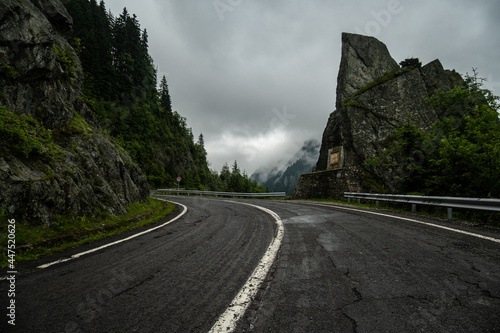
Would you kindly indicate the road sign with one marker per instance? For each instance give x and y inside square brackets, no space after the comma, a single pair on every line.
[178,182]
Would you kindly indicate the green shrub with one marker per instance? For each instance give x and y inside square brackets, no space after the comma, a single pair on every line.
[67,61]
[23,135]
[8,71]
[411,63]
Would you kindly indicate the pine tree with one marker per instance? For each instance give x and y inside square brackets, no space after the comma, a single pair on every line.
[92,26]
[165,101]
[201,141]
[225,172]
[121,88]
[236,169]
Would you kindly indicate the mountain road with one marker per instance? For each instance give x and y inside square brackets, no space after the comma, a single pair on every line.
[339,269]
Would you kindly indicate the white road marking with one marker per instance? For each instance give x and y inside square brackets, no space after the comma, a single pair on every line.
[78,255]
[228,320]
[496,240]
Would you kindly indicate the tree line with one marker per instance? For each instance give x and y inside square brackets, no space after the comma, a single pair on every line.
[234,180]
[122,90]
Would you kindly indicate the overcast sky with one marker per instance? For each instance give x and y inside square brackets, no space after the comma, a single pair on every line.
[258,77]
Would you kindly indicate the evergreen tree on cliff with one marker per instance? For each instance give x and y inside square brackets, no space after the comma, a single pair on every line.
[133,64]
[165,101]
[122,92]
[92,25]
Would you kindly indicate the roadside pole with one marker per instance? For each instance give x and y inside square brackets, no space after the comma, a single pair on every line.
[178,183]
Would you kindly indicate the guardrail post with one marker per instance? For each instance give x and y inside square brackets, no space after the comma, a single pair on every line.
[377,202]
[484,204]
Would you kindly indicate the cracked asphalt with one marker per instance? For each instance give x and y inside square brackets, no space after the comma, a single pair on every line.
[342,271]
[337,271]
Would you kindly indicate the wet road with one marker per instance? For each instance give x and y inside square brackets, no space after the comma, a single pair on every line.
[347,271]
[178,278]
[337,271]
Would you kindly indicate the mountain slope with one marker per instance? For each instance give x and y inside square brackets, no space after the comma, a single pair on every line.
[284,177]
[54,159]
[121,89]
[83,127]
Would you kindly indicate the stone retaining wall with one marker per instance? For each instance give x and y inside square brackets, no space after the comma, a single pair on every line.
[329,184]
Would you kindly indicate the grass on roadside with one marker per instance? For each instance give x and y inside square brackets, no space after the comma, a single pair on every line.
[33,242]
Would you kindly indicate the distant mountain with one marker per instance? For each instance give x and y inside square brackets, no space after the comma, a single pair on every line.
[283,176]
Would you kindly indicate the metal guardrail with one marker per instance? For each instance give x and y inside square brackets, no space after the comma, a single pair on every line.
[225,194]
[448,202]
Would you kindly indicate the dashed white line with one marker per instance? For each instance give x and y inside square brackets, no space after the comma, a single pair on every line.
[228,320]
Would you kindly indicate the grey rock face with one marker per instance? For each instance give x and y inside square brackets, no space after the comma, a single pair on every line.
[436,77]
[374,96]
[41,75]
[93,176]
[57,14]
[363,60]
[45,72]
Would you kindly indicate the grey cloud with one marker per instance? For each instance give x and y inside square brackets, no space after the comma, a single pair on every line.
[226,77]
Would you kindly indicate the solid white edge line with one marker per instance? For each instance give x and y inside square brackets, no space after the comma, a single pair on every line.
[78,255]
[496,240]
[228,320]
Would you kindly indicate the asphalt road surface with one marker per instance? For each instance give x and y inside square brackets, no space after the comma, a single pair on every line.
[176,279]
[346,271]
[337,271]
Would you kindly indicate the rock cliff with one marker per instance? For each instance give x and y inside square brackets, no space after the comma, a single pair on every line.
[363,60]
[54,159]
[374,96]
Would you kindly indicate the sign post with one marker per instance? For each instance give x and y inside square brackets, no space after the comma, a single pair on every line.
[178,182]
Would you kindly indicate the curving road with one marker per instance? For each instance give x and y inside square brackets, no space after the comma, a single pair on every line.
[348,271]
[338,270]
[179,278]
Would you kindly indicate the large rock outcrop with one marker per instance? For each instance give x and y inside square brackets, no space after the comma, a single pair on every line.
[363,60]
[75,169]
[374,96]
[44,74]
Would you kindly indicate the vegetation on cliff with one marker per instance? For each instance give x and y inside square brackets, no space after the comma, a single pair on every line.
[24,136]
[82,120]
[458,156]
[121,88]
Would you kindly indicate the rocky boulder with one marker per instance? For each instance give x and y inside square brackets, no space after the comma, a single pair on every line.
[374,97]
[363,60]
